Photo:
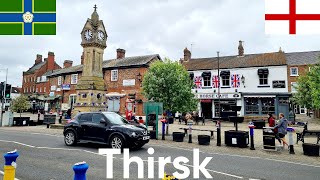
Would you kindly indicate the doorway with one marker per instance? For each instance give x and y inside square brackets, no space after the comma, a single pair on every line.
[206,107]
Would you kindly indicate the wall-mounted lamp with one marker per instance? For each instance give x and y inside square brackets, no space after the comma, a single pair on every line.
[243,79]
[139,77]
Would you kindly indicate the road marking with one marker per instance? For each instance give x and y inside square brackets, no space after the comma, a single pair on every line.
[242,156]
[47,134]
[2,173]
[17,143]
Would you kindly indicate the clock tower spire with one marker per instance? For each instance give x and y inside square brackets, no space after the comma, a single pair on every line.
[91,86]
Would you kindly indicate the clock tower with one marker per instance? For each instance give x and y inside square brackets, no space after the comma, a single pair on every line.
[91,87]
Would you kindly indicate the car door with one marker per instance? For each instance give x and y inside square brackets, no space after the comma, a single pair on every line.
[85,121]
[98,129]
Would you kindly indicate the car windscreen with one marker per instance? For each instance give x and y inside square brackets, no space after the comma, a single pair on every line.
[115,118]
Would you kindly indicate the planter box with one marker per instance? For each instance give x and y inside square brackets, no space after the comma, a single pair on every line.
[21,121]
[236,138]
[259,124]
[204,140]
[153,134]
[311,149]
[178,136]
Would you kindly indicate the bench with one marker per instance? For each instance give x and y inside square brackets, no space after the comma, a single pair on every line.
[211,131]
[300,136]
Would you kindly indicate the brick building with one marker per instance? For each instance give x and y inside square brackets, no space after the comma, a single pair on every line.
[299,64]
[35,83]
[123,77]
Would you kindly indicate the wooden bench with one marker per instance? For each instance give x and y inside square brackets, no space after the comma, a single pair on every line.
[211,131]
[300,136]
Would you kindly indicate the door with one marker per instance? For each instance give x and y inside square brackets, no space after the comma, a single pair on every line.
[85,121]
[284,106]
[206,107]
[114,105]
[98,129]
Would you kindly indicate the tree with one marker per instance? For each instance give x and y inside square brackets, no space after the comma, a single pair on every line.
[20,104]
[303,96]
[169,82]
[314,80]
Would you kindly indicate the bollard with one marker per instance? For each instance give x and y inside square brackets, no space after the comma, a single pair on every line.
[190,122]
[10,165]
[218,125]
[163,128]
[251,126]
[291,149]
[80,170]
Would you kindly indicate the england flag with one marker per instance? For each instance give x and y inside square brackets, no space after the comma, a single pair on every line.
[292,17]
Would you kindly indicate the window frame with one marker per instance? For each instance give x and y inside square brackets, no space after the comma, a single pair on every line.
[207,79]
[263,78]
[73,79]
[114,77]
[59,81]
[291,68]
[224,79]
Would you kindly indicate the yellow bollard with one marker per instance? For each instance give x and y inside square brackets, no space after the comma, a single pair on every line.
[9,173]
[10,165]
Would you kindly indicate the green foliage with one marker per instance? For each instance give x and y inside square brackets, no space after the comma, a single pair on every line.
[308,89]
[20,104]
[169,82]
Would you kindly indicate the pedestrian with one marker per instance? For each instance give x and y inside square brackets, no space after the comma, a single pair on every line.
[282,129]
[141,120]
[272,123]
[68,114]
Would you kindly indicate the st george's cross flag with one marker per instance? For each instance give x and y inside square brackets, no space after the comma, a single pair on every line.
[292,17]
[28,17]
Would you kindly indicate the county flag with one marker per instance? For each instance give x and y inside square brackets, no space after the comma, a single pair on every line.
[292,16]
[28,17]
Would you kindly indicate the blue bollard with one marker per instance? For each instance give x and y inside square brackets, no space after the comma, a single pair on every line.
[10,165]
[80,170]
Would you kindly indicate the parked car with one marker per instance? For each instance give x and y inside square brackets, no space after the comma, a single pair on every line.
[106,127]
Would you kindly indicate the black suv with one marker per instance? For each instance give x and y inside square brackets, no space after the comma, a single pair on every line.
[107,127]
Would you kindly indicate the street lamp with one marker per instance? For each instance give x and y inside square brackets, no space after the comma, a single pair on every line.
[243,79]
[3,97]
[219,123]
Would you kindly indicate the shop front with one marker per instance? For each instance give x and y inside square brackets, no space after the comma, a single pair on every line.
[210,104]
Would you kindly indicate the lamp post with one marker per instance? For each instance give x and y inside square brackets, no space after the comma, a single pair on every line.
[219,123]
[3,97]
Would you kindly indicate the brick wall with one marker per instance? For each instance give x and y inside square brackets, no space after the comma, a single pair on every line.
[302,69]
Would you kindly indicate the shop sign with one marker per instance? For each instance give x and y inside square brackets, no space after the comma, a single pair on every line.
[53,88]
[58,89]
[129,82]
[279,84]
[216,96]
[51,94]
[65,87]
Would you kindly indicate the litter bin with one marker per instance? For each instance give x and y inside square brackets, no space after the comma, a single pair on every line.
[236,138]
[259,124]
[269,139]
[311,149]
[21,121]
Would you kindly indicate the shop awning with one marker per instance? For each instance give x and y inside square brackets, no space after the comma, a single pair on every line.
[115,94]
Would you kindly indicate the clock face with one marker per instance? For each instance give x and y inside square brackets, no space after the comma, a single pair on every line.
[101,36]
[87,34]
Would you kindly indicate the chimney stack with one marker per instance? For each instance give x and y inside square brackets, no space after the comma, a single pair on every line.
[121,53]
[240,49]
[38,59]
[67,63]
[51,63]
[82,58]
[187,54]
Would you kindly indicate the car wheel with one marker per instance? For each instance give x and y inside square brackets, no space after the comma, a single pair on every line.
[116,142]
[70,138]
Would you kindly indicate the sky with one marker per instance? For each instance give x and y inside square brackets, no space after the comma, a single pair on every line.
[144,27]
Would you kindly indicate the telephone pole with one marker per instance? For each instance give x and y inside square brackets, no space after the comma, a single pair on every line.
[3,99]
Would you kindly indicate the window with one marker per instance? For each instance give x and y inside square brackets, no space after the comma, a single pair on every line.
[294,86]
[267,105]
[85,117]
[259,106]
[36,90]
[30,89]
[38,79]
[114,75]
[226,80]
[59,80]
[40,89]
[33,89]
[207,81]
[44,89]
[294,71]
[25,79]
[263,79]
[43,78]
[74,78]
[26,90]
[252,105]
[96,118]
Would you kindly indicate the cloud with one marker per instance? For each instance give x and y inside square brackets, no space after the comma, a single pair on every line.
[144,27]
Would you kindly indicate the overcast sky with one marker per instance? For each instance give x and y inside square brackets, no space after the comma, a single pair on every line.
[143,27]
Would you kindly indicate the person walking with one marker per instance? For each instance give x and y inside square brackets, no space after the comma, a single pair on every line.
[282,129]
[272,123]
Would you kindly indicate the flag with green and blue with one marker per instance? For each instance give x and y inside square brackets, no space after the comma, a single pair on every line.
[27,17]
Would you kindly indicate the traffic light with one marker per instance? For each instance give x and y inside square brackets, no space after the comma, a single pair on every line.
[1,89]
[7,93]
